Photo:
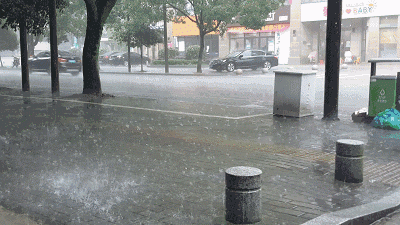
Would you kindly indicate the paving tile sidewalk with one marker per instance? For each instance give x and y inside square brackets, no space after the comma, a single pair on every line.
[89,162]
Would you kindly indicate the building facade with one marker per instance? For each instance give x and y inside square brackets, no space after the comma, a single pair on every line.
[274,37]
[370,29]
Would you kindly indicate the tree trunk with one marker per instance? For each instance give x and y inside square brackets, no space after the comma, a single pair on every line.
[24,55]
[55,84]
[141,59]
[97,13]
[129,54]
[91,77]
[165,39]
[200,60]
[32,42]
[129,51]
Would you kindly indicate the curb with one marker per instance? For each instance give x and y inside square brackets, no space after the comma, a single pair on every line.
[164,74]
[360,215]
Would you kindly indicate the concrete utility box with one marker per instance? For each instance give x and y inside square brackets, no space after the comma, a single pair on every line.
[294,93]
[382,94]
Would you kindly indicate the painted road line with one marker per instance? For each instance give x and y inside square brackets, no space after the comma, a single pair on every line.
[141,108]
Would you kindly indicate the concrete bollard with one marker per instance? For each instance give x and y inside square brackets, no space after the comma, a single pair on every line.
[264,70]
[349,161]
[243,195]
[239,72]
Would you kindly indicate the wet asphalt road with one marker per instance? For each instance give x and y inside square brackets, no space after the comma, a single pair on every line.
[156,153]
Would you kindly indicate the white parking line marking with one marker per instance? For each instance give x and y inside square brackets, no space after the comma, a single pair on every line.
[145,109]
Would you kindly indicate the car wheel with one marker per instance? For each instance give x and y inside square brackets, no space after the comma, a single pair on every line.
[267,65]
[125,63]
[230,67]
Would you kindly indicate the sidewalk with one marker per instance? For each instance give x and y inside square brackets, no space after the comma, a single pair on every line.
[116,160]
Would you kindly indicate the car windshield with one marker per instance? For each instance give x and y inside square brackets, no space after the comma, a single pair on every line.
[233,54]
[64,54]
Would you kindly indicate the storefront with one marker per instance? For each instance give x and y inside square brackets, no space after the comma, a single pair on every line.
[369,29]
[274,37]
[187,34]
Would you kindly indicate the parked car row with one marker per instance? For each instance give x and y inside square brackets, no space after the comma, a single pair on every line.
[121,58]
[67,63]
[245,59]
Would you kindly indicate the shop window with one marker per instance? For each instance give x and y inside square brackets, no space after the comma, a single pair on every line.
[388,43]
[388,21]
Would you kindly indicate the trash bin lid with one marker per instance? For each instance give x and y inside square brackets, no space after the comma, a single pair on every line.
[376,60]
[382,77]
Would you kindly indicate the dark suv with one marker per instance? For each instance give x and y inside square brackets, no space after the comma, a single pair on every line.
[245,59]
[67,63]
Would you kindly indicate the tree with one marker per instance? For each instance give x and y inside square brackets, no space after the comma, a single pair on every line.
[97,14]
[134,27]
[30,17]
[8,41]
[72,20]
[213,16]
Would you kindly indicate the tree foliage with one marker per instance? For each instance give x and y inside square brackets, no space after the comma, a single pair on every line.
[71,20]
[33,12]
[8,40]
[135,27]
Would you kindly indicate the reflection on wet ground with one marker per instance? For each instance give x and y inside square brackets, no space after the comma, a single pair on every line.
[126,160]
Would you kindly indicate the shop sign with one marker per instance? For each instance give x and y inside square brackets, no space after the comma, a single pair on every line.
[351,9]
[271,16]
[267,28]
[281,15]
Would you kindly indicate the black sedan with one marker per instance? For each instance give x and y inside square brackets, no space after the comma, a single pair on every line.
[67,63]
[104,58]
[245,59]
[122,59]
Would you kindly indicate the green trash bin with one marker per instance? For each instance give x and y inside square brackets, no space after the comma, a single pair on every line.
[382,94]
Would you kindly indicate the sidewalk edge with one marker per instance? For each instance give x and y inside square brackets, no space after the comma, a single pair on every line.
[363,214]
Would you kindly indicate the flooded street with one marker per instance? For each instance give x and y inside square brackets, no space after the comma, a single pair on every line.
[156,152]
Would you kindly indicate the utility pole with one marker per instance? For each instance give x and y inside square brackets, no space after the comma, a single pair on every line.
[332,64]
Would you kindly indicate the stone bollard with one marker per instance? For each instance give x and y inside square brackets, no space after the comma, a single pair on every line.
[264,70]
[239,72]
[243,195]
[349,161]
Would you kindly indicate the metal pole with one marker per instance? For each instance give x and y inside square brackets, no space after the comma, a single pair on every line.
[332,65]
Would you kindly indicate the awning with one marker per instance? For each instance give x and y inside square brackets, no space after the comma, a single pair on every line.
[267,28]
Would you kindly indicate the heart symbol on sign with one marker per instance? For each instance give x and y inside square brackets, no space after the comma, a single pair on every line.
[348,11]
